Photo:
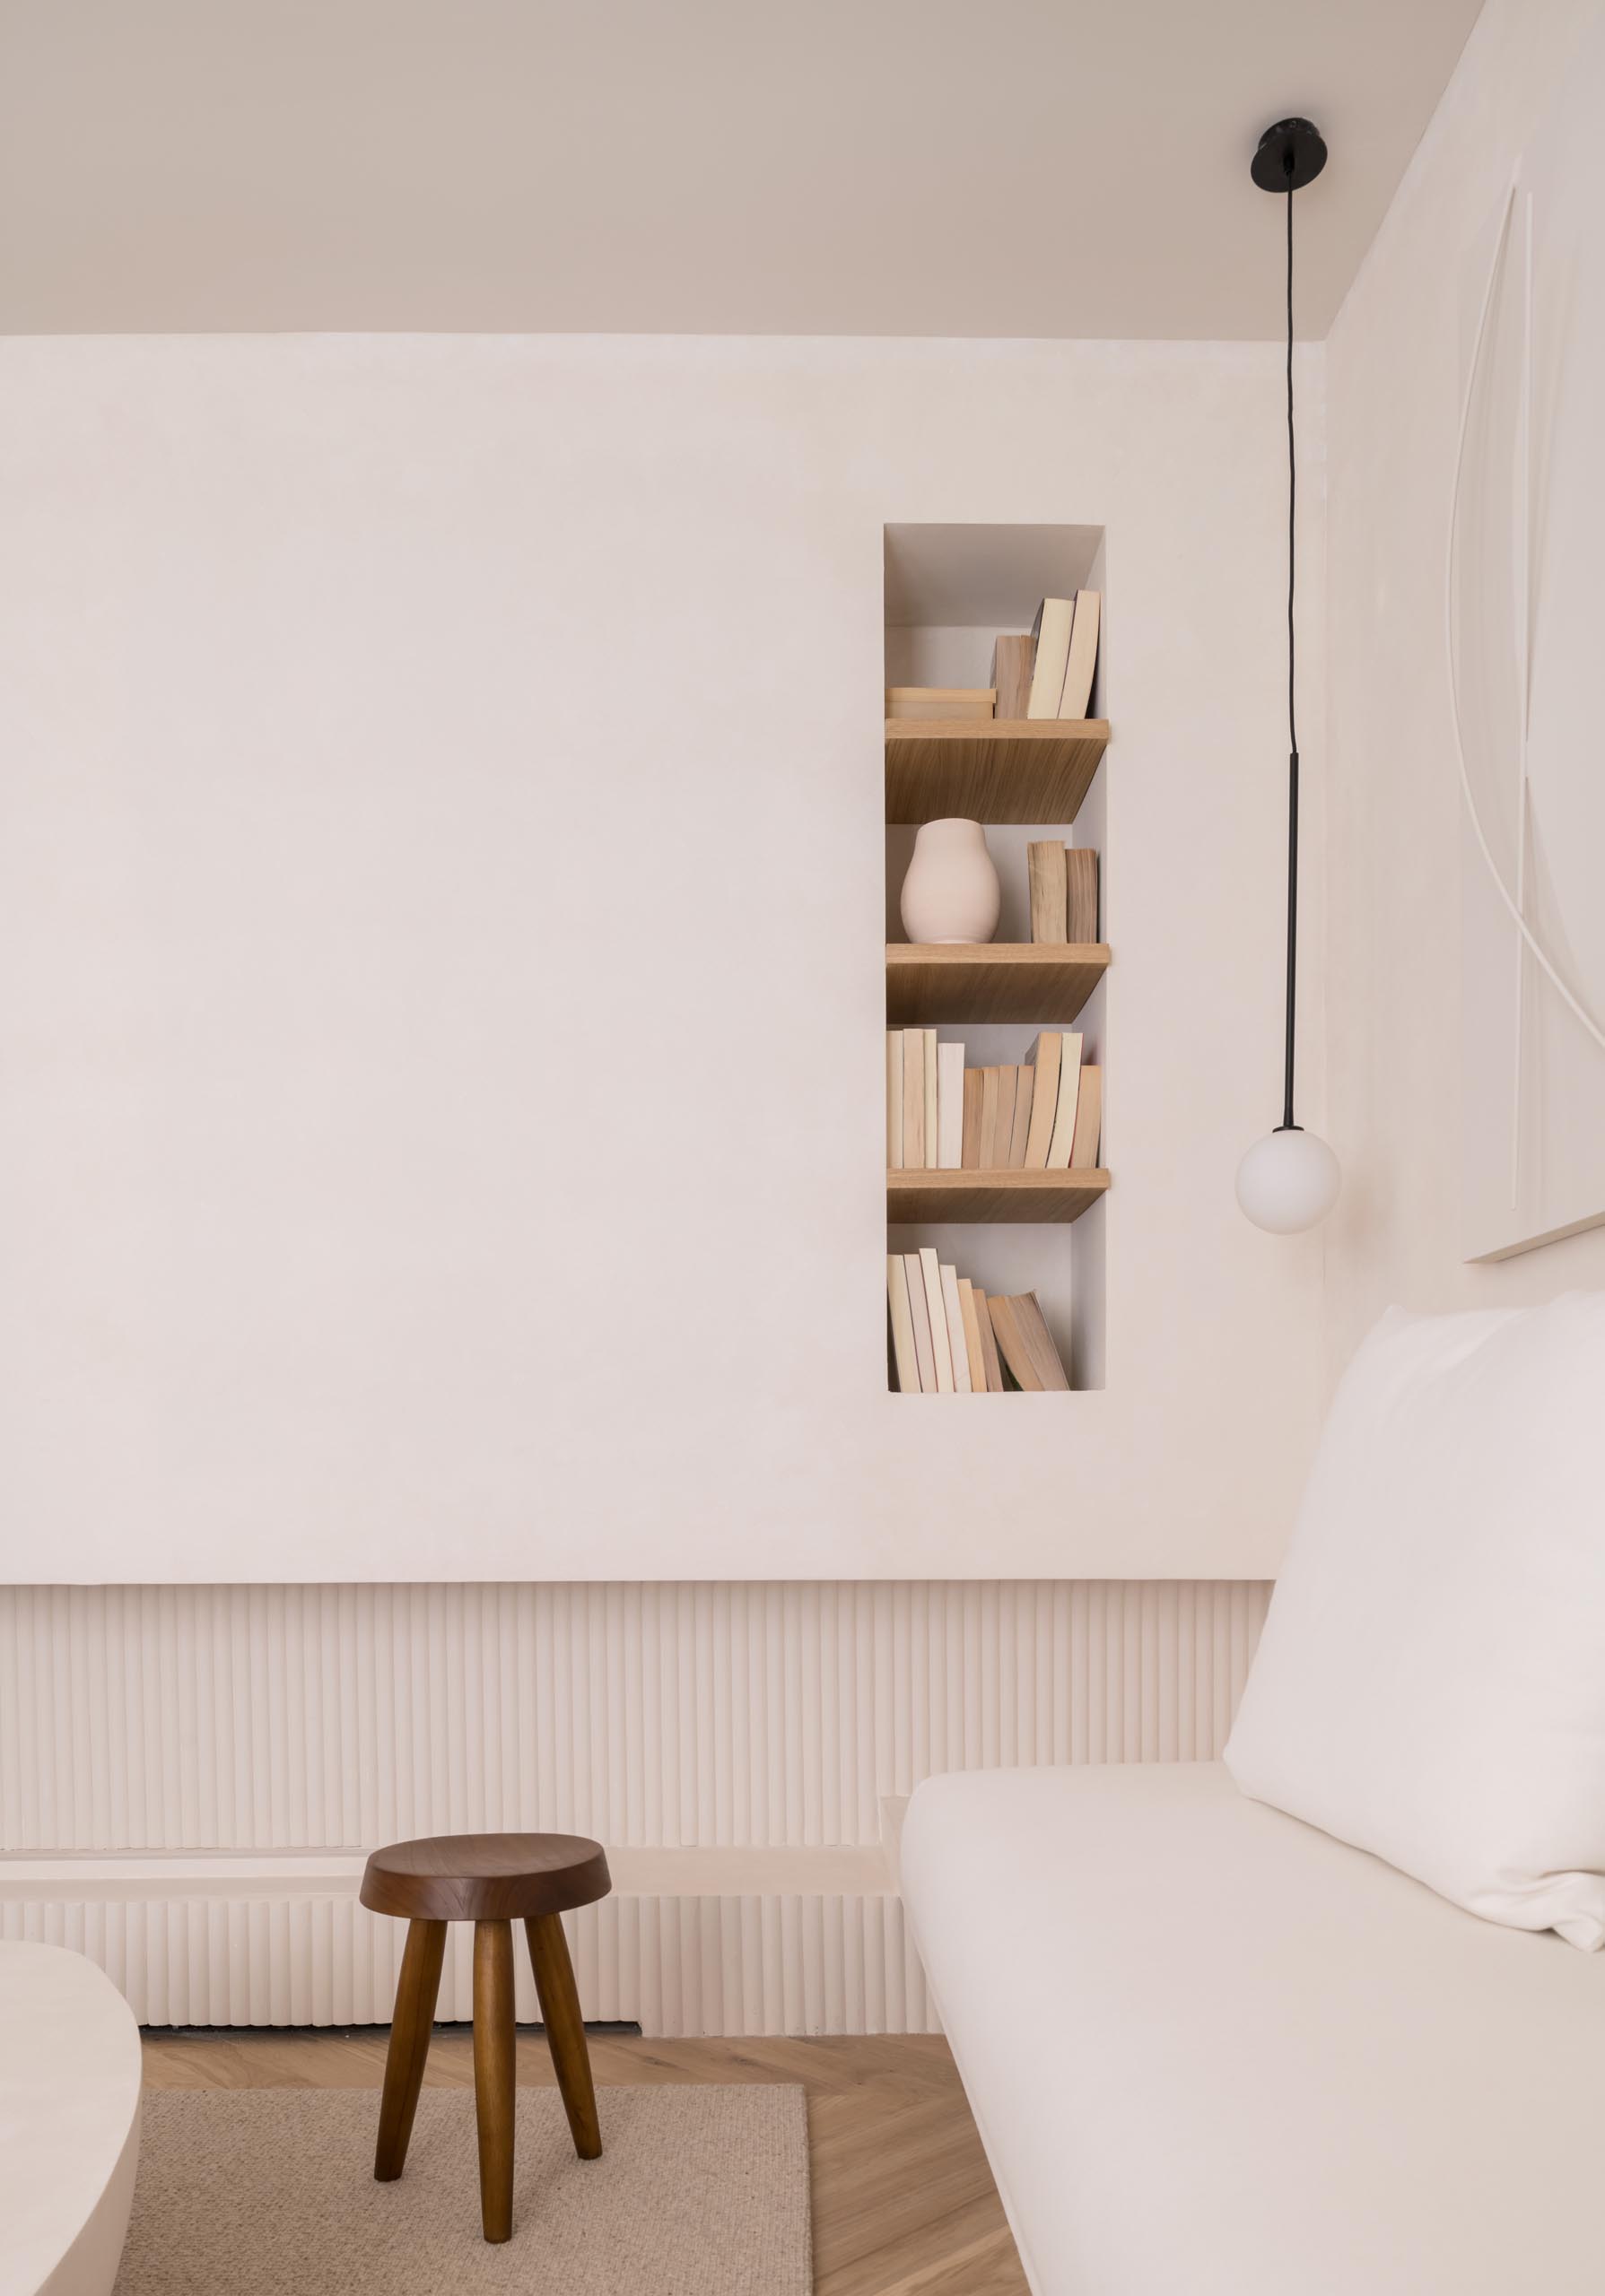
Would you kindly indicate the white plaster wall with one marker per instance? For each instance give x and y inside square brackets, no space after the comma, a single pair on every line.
[1396,365]
[441,1000]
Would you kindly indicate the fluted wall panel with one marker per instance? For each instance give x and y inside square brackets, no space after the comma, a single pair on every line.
[266,1719]
[823,1963]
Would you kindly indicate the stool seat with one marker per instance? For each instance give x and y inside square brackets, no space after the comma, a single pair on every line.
[485,1876]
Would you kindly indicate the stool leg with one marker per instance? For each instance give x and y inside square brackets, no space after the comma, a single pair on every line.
[493,2067]
[415,1991]
[565,2030]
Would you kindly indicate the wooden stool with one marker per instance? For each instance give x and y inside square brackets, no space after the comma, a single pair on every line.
[492,1879]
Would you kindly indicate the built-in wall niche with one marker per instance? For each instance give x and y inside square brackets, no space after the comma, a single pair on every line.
[950,592]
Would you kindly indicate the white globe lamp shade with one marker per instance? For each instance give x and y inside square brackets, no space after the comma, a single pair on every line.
[1289,1181]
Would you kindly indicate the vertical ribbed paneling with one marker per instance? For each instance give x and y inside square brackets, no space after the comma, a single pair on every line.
[268,1718]
[779,1964]
[237,1717]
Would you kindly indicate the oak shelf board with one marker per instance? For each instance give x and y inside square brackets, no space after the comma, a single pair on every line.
[1048,981]
[990,1196]
[990,770]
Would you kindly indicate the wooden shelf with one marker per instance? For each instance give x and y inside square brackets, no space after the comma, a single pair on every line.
[993,1195]
[990,770]
[991,981]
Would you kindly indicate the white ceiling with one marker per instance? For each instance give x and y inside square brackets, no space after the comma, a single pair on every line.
[863,166]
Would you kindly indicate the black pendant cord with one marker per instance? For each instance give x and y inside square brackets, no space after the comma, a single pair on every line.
[1290,154]
[1287,1123]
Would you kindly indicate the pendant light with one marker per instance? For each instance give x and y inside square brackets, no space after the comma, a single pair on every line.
[1289,1180]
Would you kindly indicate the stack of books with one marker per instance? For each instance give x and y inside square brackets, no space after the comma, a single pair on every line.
[1049,673]
[942,1116]
[1064,891]
[948,1339]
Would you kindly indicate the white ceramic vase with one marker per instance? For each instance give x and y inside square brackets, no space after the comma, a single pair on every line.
[951,891]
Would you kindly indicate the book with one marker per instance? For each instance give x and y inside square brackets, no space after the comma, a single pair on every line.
[919,1317]
[1019,1138]
[966,1304]
[1064,1115]
[989,1344]
[916,702]
[1004,1132]
[955,1331]
[970,1153]
[903,1355]
[1045,871]
[946,1336]
[1044,1098]
[1013,662]
[914,1100]
[990,1079]
[1089,1116]
[1081,902]
[1052,631]
[950,1106]
[1026,1344]
[894,1100]
[928,1073]
[1081,658]
[941,1347]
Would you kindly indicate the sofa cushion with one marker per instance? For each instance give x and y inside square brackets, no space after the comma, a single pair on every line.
[1430,1684]
[1211,2050]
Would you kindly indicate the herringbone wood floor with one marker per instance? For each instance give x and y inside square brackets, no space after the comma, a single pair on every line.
[903,2202]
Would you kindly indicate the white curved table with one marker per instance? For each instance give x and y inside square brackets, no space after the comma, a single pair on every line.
[69,2123]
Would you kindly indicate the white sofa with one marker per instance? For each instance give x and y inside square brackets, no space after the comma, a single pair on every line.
[1213,2052]
[69,2123]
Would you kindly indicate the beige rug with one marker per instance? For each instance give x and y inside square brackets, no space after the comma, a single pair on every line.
[270,2192]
